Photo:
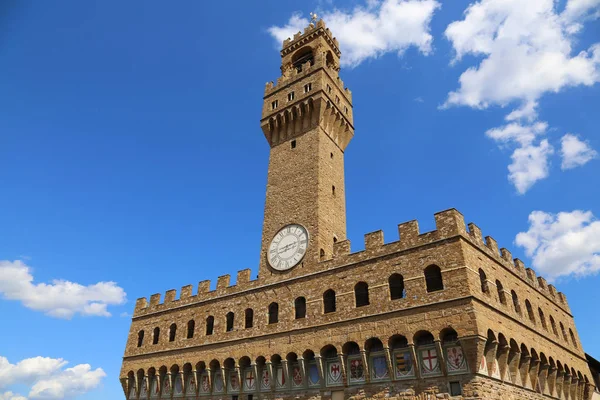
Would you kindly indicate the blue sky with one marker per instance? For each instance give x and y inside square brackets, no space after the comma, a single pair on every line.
[130,149]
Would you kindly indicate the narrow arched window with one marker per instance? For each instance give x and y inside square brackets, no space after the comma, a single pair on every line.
[501,295]
[156,335]
[396,282]
[573,337]
[515,300]
[172,332]
[300,306]
[529,311]
[553,324]
[191,326]
[273,313]
[542,318]
[210,325]
[361,294]
[433,278]
[564,332]
[230,318]
[483,281]
[329,301]
[140,338]
[249,316]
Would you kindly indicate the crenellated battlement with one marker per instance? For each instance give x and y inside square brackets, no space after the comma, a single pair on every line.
[309,34]
[449,224]
[504,256]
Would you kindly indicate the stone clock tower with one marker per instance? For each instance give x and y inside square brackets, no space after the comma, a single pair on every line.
[307,121]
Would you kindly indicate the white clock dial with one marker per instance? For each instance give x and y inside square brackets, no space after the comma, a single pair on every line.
[288,247]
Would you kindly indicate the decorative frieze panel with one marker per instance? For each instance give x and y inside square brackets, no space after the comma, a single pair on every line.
[356,370]
[403,364]
[379,367]
[334,373]
[456,362]
[429,362]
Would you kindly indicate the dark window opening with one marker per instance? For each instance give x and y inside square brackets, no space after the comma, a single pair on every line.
[230,318]
[334,239]
[274,104]
[501,294]
[290,96]
[542,318]
[300,306]
[424,339]
[190,329]
[433,278]
[140,338]
[307,87]
[529,311]
[515,300]
[455,389]
[293,144]
[329,301]
[483,281]
[322,254]
[396,282]
[210,325]
[330,155]
[249,318]
[361,294]
[172,332]
[156,335]
[333,190]
[273,313]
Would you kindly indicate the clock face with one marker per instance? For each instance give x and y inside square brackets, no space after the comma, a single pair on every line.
[288,247]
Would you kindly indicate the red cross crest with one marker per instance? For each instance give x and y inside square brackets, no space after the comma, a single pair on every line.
[249,379]
[430,359]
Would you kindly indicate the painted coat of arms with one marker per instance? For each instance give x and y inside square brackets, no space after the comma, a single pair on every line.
[265,381]
[249,380]
[404,364]
[456,359]
[218,382]
[166,386]
[204,383]
[234,383]
[178,385]
[144,389]
[313,374]
[297,376]
[357,371]
[334,372]
[191,385]
[379,369]
[429,362]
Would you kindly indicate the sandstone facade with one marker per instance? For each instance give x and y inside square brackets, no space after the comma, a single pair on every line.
[441,314]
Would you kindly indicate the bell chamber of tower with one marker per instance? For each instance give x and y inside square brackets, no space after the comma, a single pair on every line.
[307,121]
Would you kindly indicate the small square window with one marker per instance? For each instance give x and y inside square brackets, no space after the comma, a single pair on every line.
[455,389]
[293,144]
[274,104]
[290,96]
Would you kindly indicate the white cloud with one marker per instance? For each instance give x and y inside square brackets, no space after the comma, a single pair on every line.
[527,51]
[48,379]
[11,396]
[71,382]
[523,49]
[530,161]
[529,165]
[375,29]
[563,244]
[575,152]
[60,299]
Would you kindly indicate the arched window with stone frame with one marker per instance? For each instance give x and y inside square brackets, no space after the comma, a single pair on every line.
[210,325]
[529,309]
[172,332]
[483,281]
[156,335]
[191,326]
[300,307]
[396,283]
[501,294]
[553,325]
[329,302]
[433,278]
[515,300]
[361,294]
[230,319]
[542,318]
